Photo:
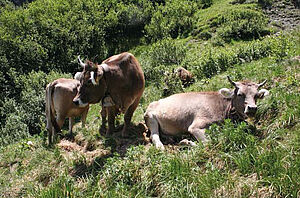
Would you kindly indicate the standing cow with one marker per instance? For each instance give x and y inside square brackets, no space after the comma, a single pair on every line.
[195,111]
[59,102]
[119,79]
[185,76]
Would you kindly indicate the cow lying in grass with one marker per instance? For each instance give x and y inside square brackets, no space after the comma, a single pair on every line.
[59,102]
[195,111]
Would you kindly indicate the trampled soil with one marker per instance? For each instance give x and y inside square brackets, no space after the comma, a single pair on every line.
[284,14]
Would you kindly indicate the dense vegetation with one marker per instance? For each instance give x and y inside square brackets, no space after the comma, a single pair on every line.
[39,42]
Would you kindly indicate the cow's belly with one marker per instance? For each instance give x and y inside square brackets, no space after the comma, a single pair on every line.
[171,129]
[173,125]
[75,112]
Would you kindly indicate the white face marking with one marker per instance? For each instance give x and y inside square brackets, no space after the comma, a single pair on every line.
[93,78]
[81,104]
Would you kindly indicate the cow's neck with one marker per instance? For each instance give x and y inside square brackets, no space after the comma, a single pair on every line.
[231,113]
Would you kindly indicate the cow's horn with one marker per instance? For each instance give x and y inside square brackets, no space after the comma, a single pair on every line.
[262,84]
[232,82]
[80,61]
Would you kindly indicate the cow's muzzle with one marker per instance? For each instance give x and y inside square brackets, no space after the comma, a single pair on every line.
[250,110]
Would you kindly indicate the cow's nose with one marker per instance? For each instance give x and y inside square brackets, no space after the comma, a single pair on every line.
[76,102]
[251,110]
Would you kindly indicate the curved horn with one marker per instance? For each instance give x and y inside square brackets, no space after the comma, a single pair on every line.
[80,61]
[232,82]
[262,84]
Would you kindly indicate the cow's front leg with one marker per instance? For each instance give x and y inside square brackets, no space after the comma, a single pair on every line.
[83,117]
[153,126]
[104,120]
[111,120]
[71,122]
[197,129]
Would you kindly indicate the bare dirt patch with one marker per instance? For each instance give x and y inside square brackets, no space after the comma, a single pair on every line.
[284,14]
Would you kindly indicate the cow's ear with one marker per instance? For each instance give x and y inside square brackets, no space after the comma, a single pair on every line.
[227,93]
[99,75]
[262,93]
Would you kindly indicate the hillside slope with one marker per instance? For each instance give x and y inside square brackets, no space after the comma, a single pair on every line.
[257,158]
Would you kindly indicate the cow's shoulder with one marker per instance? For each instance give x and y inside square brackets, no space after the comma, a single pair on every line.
[118,59]
[67,84]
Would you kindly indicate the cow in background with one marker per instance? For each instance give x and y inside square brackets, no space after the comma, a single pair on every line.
[185,76]
[59,105]
[118,79]
[193,112]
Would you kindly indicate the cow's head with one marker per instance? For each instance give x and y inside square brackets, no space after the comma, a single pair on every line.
[244,96]
[92,84]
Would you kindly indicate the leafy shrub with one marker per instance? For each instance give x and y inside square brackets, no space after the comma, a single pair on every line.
[50,34]
[240,24]
[14,127]
[213,61]
[25,115]
[173,19]
[162,56]
[172,85]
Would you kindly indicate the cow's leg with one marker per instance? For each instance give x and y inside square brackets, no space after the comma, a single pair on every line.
[83,117]
[49,130]
[104,119]
[60,121]
[128,115]
[197,129]
[153,126]
[111,120]
[50,135]
[71,122]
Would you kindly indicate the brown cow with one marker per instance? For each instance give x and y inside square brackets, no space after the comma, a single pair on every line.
[118,79]
[185,76]
[59,102]
[194,111]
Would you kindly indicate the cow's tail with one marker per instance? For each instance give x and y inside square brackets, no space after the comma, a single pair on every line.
[50,113]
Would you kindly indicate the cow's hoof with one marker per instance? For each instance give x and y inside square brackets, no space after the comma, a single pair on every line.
[187,142]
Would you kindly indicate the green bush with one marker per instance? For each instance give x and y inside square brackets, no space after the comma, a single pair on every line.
[162,57]
[216,60]
[25,115]
[13,127]
[173,19]
[241,24]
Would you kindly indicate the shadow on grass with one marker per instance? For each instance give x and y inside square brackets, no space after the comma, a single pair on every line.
[93,160]
[119,144]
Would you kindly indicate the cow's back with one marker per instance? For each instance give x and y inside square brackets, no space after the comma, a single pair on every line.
[177,112]
[125,80]
[64,92]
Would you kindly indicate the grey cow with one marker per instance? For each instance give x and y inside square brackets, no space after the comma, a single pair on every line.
[193,112]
